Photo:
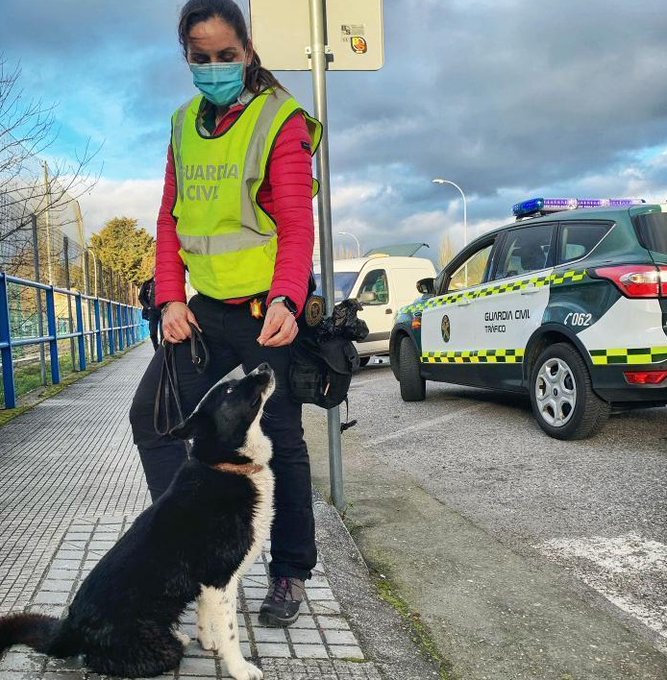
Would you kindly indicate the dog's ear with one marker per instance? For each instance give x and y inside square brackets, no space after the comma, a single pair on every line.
[189,427]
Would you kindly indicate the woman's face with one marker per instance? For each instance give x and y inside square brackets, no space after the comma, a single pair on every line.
[215,41]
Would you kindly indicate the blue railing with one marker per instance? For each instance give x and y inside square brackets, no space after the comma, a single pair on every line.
[124,328]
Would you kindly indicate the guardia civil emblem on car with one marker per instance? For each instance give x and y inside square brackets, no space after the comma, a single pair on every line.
[567,304]
[445,328]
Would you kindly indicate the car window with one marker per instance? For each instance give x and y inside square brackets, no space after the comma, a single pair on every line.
[525,250]
[577,239]
[471,272]
[653,231]
[374,290]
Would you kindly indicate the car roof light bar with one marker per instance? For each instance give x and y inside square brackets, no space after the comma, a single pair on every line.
[550,205]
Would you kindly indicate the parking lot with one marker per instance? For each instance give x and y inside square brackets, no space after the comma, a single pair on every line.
[594,510]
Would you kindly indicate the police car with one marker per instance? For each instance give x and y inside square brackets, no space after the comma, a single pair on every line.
[567,304]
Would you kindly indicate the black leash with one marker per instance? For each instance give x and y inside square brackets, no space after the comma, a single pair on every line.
[168,389]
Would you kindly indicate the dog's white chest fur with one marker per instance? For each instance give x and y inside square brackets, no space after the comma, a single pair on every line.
[217,622]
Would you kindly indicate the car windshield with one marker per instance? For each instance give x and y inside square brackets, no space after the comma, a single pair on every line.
[343,282]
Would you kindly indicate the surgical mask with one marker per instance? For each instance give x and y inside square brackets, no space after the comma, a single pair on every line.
[220,83]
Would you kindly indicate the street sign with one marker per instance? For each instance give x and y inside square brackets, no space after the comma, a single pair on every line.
[354,34]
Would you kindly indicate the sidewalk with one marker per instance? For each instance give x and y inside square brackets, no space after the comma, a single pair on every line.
[71,484]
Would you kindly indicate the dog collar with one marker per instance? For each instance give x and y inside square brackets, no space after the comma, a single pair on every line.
[243,469]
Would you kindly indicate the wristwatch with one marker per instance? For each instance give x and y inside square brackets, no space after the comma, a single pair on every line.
[287,302]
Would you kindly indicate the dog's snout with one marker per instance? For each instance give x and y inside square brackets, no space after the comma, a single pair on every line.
[264,368]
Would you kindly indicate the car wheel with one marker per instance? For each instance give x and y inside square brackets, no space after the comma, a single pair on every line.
[561,394]
[413,386]
[363,361]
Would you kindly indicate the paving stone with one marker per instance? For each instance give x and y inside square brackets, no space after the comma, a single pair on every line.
[273,649]
[270,635]
[58,585]
[333,623]
[197,666]
[346,652]
[311,651]
[304,621]
[340,637]
[305,636]
[45,597]
[332,607]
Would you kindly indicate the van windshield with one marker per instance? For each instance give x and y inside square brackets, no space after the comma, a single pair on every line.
[343,282]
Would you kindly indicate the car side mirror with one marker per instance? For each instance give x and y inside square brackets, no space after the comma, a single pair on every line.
[368,297]
[426,286]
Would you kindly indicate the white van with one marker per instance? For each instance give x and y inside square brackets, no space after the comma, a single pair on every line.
[382,284]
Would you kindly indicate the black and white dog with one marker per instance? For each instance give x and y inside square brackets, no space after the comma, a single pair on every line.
[196,541]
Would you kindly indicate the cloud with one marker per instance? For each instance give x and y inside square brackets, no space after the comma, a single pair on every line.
[135,198]
[508,98]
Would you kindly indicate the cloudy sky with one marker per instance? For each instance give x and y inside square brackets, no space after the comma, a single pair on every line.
[508,98]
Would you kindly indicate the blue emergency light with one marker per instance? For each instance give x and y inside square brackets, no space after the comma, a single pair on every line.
[549,205]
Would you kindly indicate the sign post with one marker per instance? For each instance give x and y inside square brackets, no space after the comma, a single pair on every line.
[296,36]
[318,68]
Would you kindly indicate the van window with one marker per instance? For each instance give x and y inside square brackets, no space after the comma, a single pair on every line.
[374,290]
[343,282]
[525,250]
[577,239]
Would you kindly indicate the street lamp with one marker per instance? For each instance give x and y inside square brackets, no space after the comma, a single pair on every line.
[439,180]
[347,233]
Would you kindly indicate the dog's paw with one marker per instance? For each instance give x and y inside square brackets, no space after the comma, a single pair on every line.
[206,639]
[246,671]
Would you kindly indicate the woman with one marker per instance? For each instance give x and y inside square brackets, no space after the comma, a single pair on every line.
[237,211]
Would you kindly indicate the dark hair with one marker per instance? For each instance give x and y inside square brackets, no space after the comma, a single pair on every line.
[257,78]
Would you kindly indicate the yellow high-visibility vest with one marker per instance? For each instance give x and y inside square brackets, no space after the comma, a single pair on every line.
[228,242]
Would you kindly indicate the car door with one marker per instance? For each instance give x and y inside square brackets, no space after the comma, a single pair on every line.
[448,333]
[511,306]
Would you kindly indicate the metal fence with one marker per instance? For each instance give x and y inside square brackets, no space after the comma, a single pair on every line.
[91,328]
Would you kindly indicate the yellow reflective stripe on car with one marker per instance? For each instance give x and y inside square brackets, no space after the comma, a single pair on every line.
[475,356]
[633,355]
[555,279]
[567,277]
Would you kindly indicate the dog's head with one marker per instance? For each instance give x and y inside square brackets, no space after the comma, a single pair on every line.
[225,423]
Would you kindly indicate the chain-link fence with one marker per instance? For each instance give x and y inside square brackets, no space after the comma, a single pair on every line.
[47,245]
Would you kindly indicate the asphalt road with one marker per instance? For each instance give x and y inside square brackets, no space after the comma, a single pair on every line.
[596,508]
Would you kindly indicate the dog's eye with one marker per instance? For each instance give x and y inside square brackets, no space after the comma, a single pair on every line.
[229,390]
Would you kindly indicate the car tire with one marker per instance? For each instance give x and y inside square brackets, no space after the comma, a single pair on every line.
[562,396]
[363,361]
[413,386]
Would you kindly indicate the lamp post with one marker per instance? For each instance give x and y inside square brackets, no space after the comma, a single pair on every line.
[439,180]
[347,233]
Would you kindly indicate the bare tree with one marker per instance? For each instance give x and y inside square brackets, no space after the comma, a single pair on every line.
[447,251]
[28,186]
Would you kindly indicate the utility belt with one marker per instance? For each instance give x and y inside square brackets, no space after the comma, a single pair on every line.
[255,305]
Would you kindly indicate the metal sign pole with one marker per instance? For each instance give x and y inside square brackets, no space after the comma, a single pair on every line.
[318,67]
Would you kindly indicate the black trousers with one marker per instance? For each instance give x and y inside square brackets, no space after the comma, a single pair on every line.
[230,333]
[153,328]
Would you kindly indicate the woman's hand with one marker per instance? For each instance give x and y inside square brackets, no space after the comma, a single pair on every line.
[279,327]
[176,320]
